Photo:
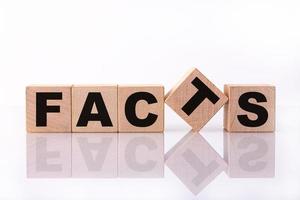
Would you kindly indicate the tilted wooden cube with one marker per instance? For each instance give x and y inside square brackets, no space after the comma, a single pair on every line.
[95,108]
[48,109]
[141,108]
[250,108]
[195,99]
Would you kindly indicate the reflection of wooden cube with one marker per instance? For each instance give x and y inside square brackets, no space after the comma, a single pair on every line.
[141,108]
[250,108]
[94,155]
[48,108]
[141,155]
[194,162]
[195,99]
[250,155]
[49,155]
[94,108]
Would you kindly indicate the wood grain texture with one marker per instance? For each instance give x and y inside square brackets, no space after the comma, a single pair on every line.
[232,108]
[56,122]
[184,90]
[142,108]
[109,94]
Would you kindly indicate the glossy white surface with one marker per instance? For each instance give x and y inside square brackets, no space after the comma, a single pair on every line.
[285,184]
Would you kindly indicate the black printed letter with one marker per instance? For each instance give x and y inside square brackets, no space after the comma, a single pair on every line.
[87,115]
[202,93]
[130,109]
[41,106]
[261,112]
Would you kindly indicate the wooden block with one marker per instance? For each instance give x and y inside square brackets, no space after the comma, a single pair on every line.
[49,155]
[94,155]
[251,108]
[95,108]
[194,162]
[48,109]
[141,108]
[141,155]
[195,99]
[250,155]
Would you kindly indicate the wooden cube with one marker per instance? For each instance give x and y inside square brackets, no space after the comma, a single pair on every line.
[194,162]
[195,99]
[48,109]
[251,108]
[95,108]
[141,108]
[250,155]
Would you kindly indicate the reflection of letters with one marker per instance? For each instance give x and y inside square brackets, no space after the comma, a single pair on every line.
[48,155]
[203,170]
[194,162]
[101,150]
[250,155]
[141,155]
[131,150]
[94,155]
[43,155]
[247,160]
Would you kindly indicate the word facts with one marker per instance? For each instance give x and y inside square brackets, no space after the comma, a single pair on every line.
[140,108]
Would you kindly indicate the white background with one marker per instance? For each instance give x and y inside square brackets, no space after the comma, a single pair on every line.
[127,41]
